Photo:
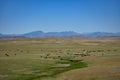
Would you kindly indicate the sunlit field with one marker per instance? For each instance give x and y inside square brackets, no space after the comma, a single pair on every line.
[60,59]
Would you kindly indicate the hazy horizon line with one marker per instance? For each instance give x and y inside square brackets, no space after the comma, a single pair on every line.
[58,31]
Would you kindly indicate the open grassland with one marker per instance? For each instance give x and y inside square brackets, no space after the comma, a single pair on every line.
[60,59]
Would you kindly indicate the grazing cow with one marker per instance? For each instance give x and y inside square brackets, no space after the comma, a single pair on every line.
[6,54]
[45,57]
[21,50]
[59,56]
[114,50]
[83,50]
[47,54]
[75,60]
[108,50]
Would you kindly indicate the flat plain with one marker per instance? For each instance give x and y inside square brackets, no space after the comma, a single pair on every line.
[60,59]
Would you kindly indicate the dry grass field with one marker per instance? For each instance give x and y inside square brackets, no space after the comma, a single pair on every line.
[60,59]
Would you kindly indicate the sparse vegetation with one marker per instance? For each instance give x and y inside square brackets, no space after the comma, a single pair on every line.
[39,59]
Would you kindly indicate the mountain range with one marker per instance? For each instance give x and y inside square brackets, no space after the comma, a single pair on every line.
[41,34]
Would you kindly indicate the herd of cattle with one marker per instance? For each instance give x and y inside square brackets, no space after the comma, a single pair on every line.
[67,53]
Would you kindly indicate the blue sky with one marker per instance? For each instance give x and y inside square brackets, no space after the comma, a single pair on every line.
[21,16]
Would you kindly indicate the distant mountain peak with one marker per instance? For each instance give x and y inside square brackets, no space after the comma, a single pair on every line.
[41,34]
[36,32]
